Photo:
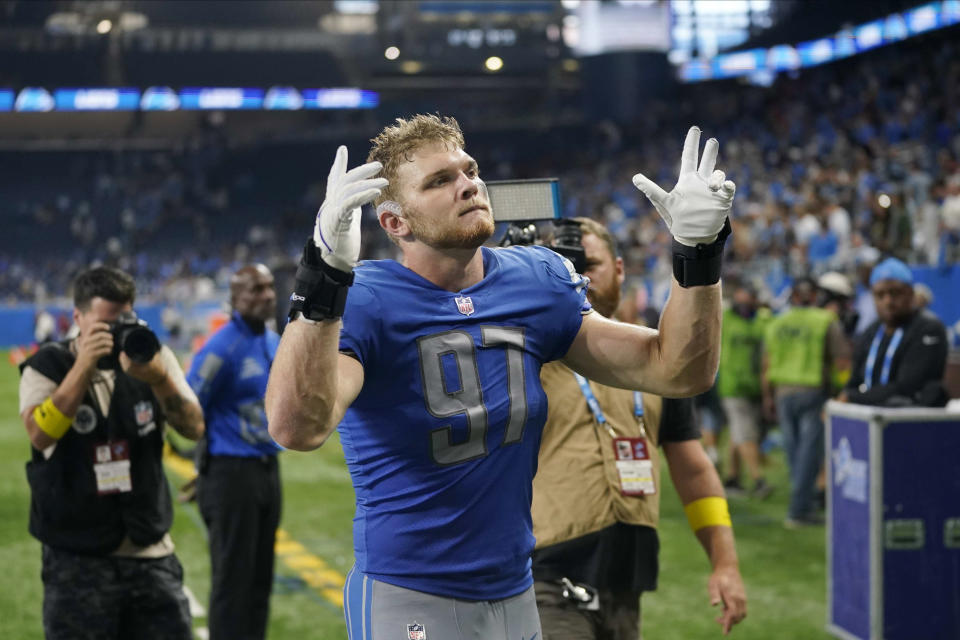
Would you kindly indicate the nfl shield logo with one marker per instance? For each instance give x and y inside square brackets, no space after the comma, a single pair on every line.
[464,305]
[143,412]
[416,631]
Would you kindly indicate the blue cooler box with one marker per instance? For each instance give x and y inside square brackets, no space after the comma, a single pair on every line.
[893,523]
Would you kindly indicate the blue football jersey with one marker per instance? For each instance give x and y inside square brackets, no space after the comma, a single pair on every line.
[442,440]
[229,375]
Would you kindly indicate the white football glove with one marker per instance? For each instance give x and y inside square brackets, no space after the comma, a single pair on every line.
[337,230]
[697,207]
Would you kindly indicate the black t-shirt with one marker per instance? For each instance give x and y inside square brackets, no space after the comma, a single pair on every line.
[621,557]
[919,361]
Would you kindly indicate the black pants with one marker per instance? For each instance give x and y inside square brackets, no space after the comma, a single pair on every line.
[618,617]
[108,597]
[240,500]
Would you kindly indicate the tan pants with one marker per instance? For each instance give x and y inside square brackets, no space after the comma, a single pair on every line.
[743,417]
[617,619]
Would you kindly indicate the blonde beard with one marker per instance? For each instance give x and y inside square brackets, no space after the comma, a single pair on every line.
[604,302]
[459,238]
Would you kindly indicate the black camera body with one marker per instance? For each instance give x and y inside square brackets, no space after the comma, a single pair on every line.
[132,336]
[523,203]
[567,240]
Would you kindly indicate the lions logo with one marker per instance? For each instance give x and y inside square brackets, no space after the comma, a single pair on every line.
[85,420]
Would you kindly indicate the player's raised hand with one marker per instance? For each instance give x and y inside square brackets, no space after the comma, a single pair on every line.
[337,230]
[700,202]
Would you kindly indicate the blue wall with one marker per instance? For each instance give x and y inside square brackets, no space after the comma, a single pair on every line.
[16,322]
[945,284]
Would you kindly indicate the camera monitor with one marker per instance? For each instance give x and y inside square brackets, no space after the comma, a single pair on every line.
[524,200]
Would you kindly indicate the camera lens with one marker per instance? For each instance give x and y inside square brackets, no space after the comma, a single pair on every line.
[567,233]
[139,343]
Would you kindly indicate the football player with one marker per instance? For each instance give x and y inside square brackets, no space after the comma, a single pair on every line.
[430,367]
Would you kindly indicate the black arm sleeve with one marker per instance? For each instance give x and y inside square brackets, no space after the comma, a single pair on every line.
[924,360]
[676,421]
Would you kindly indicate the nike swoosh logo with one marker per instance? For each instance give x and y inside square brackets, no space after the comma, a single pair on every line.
[928,340]
[533,637]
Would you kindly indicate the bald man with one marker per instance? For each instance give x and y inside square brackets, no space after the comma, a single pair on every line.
[239,485]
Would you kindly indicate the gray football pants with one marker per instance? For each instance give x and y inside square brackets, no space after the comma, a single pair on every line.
[376,610]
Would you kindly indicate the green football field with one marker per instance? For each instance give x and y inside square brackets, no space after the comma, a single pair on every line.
[783,570]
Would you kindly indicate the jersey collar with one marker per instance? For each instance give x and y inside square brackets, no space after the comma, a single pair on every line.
[491,267]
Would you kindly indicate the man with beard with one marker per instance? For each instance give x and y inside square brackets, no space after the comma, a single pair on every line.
[433,373]
[238,489]
[899,360]
[596,509]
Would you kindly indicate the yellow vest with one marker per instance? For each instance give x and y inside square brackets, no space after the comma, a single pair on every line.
[795,343]
[577,488]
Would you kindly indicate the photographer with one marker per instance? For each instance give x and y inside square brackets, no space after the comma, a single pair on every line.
[597,489]
[94,409]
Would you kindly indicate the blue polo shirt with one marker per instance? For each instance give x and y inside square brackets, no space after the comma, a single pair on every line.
[229,375]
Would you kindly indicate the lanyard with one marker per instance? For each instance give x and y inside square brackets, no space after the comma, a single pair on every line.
[595,406]
[887,359]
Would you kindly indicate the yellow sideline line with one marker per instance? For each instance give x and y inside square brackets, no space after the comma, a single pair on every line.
[311,568]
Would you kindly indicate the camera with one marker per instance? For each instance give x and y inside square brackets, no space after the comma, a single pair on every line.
[132,336]
[523,203]
[568,242]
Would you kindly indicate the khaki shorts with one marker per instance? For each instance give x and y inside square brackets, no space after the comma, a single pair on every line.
[743,417]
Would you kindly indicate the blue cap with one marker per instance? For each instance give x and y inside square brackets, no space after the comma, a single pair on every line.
[891,269]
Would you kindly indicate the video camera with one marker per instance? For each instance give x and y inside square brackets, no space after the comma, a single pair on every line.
[132,336]
[523,203]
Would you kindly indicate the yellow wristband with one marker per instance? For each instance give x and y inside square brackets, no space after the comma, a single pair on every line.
[50,420]
[708,512]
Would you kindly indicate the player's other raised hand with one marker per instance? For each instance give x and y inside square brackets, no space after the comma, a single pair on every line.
[700,202]
[337,230]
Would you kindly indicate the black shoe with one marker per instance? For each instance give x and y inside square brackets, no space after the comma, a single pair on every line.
[733,488]
[761,490]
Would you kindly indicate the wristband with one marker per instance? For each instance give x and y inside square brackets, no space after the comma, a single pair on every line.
[708,512]
[700,265]
[320,292]
[50,419]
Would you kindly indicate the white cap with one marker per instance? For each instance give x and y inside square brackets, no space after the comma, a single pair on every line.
[835,283]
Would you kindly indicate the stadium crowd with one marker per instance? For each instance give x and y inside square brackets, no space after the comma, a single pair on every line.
[836,167]
[848,169]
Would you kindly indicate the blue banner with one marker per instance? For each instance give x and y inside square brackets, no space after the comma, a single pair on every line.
[160,99]
[33,99]
[192,98]
[340,99]
[843,44]
[96,99]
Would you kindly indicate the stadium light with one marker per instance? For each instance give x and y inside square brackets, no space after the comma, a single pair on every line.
[494,63]
[104,26]
[392,53]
